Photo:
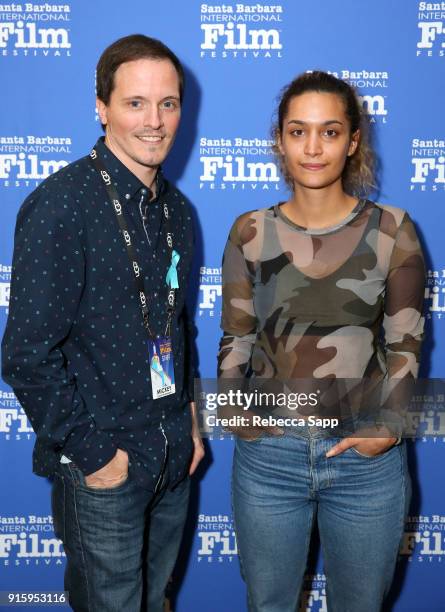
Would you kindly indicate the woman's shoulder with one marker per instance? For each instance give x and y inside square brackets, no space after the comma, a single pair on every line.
[395,211]
[257,214]
[391,217]
[248,222]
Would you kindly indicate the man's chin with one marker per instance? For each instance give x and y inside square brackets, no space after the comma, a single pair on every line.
[152,161]
[153,156]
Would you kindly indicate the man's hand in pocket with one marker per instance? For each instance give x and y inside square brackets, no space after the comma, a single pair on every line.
[111,475]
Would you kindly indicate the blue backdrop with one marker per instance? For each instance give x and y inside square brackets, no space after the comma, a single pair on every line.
[237,56]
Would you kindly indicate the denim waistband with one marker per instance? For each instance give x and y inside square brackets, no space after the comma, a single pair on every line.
[345,427]
[308,431]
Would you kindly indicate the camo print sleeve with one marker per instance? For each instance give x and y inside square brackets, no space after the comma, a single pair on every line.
[405,286]
[301,303]
[238,317]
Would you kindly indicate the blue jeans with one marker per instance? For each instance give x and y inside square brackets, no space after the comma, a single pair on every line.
[121,543]
[281,484]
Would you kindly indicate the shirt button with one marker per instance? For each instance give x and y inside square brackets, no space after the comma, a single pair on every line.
[144,191]
[127,196]
[155,294]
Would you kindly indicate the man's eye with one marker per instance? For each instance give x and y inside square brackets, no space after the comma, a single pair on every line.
[298,132]
[135,103]
[169,104]
[330,133]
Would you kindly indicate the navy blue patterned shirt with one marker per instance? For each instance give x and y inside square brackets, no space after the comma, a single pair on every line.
[75,349]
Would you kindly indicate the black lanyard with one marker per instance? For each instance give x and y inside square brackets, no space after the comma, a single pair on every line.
[117,207]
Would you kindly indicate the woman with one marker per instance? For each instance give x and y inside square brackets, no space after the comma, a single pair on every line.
[310,286]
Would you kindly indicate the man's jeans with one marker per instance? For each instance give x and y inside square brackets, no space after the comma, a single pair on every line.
[281,483]
[116,540]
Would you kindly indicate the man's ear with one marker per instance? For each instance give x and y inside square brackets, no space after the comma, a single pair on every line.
[102,111]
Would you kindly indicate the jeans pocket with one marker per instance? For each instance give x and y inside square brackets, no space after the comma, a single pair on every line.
[58,506]
[371,457]
[80,481]
[117,487]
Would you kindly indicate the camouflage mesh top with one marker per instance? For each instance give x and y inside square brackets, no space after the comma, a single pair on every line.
[301,303]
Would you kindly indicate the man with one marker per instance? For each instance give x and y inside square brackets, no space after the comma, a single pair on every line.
[102,253]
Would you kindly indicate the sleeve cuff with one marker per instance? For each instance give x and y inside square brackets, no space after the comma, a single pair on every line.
[91,453]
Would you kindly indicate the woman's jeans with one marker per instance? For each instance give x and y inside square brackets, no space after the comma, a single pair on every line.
[280,484]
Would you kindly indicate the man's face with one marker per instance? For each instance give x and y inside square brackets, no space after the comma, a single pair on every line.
[143,113]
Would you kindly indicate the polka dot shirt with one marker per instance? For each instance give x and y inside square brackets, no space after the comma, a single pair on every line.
[75,350]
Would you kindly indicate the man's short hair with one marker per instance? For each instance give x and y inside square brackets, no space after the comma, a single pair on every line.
[128,49]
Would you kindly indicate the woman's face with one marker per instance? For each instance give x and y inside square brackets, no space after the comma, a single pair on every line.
[315,139]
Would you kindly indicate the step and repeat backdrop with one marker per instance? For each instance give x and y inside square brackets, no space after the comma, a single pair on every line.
[237,56]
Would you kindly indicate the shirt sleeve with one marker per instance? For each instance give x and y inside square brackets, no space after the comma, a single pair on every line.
[190,355]
[189,328]
[48,273]
[403,323]
[238,320]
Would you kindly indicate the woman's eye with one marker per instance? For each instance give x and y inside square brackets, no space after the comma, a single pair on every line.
[330,133]
[297,132]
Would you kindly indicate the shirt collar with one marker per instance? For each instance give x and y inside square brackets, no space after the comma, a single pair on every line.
[127,184]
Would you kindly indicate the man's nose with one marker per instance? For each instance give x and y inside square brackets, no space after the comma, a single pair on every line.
[153,117]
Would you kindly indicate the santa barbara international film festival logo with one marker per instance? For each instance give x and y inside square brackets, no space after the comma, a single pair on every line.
[210,291]
[14,424]
[216,539]
[431,24]
[241,31]
[35,29]
[428,164]
[5,287]
[425,419]
[424,539]
[435,294]
[29,540]
[238,163]
[313,596]
[26,160]
[372,87]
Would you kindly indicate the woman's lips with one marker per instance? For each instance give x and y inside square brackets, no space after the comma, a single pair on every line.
[313,166]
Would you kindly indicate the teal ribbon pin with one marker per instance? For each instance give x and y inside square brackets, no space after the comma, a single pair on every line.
[172,275]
